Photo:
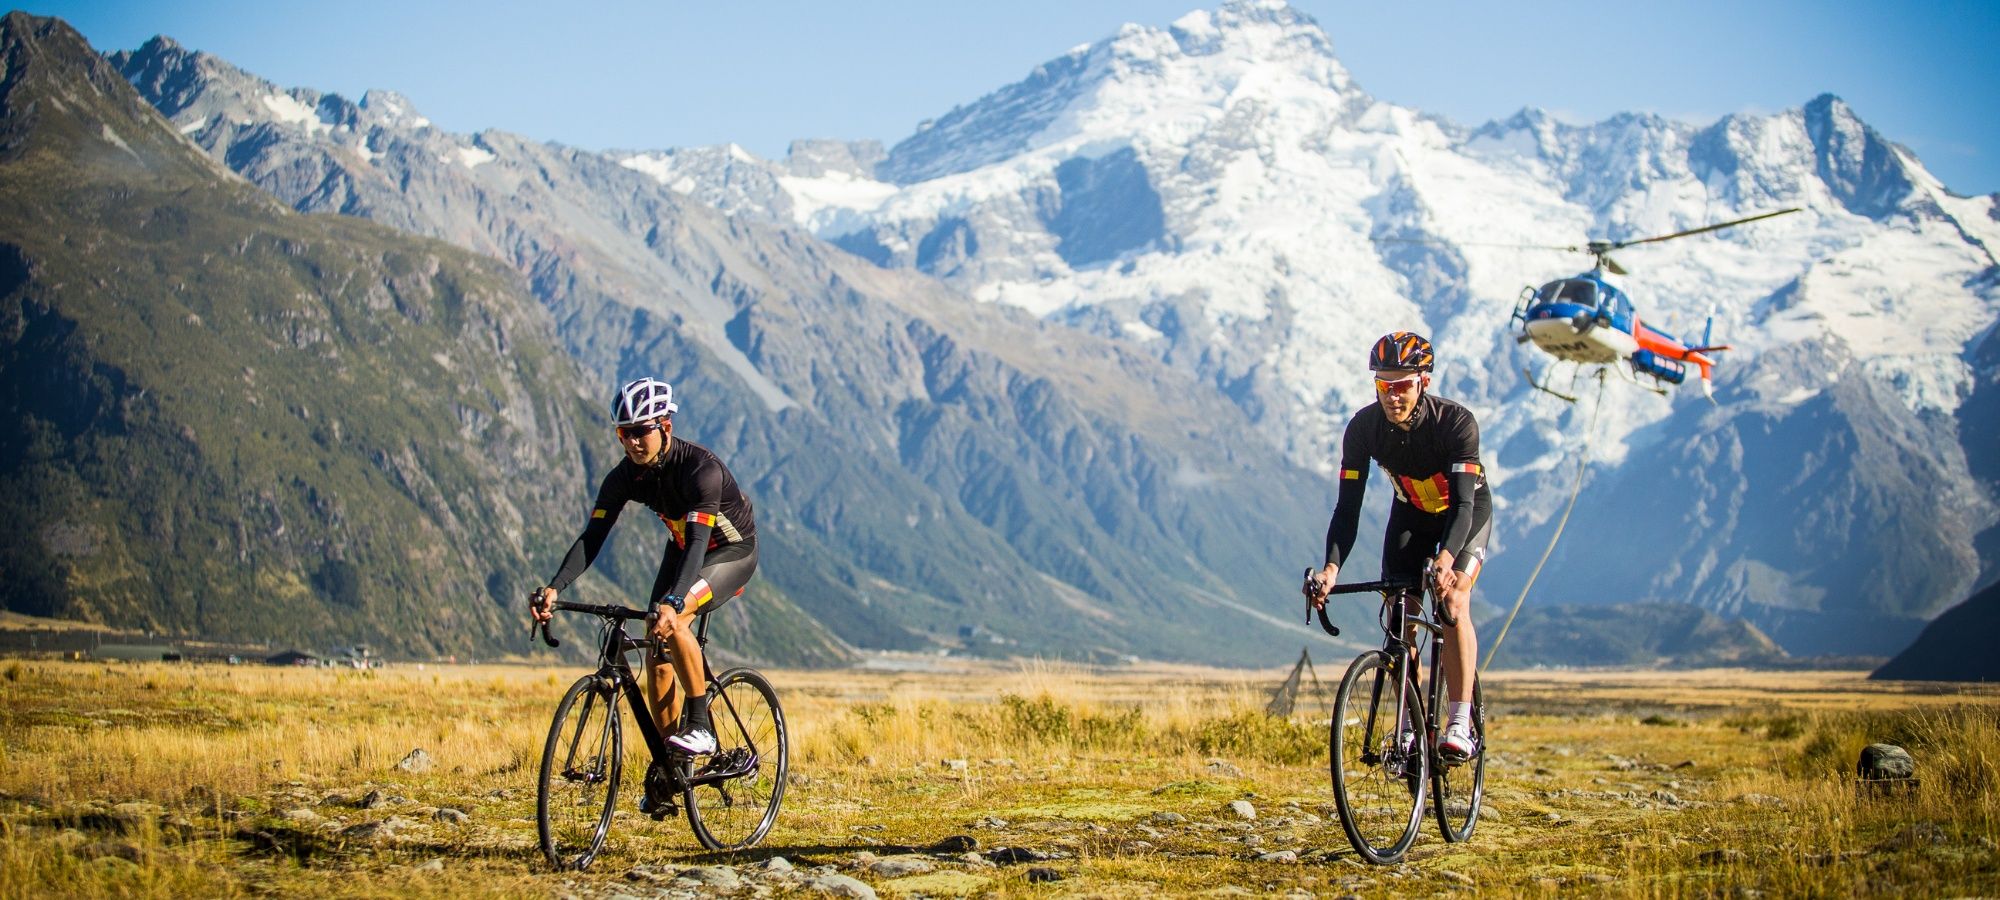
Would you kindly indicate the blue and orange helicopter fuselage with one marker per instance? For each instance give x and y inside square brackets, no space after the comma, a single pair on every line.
[1587,320]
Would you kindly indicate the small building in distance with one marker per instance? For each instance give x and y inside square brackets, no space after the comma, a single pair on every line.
[137,652]
[293,658]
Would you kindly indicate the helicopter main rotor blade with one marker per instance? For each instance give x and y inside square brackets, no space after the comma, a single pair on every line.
[1444,243]
[1702,230]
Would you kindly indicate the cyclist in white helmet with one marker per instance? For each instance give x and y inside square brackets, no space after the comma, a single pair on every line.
[710,557]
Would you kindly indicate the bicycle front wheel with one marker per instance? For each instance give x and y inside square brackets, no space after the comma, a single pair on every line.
[1378,778]
[1457,790]
[732,798]
[581,764]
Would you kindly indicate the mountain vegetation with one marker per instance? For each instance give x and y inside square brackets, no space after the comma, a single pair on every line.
[222,418]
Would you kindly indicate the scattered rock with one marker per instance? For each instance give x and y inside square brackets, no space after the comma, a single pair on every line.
[778,864]
[500,794]
[1488,814]
[373,800]
[645,874]
[1667,797]
[1043,875]
[432,867]
[451,816]
[840,886]
[1243,810]
[798,779]
[303,816]
[1010,855]
[976,861]
[990,822]
[418,762]
[899,866]
[720,878]
[1882,762]
[1224,769]
[1761,800]
[1719,856]
[1164,817]
[1281,856]
[868,761]
[1459,877]
[1684,764]
[957,843]
[1919,834]
[1598,878]
[953,765]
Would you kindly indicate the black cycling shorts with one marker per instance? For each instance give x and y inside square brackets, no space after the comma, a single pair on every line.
[1413,538]
[724,571]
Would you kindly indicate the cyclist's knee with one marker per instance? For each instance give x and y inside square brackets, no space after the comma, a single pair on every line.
[1458,602]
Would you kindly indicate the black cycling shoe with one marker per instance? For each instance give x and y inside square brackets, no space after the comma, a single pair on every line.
[658,784]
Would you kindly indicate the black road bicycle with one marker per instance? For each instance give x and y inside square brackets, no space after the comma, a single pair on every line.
[1383,743]
[731,796]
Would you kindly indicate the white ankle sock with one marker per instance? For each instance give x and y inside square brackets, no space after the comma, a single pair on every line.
[1461,714]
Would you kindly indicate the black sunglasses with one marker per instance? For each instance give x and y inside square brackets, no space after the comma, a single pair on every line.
[636,432]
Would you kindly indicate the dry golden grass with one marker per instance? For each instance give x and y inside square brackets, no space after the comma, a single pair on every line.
[173,780]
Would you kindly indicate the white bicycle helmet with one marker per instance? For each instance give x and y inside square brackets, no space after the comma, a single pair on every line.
[642,401]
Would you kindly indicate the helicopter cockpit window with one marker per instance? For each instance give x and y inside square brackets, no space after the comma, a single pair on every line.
[1576,291]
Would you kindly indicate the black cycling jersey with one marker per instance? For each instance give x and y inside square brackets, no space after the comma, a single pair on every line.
[1433,467]
[690,490]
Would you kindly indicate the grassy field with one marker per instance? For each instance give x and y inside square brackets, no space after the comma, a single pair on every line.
[139,780]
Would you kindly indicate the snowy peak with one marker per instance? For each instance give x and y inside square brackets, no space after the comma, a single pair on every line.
[1867,174]
[1179,79]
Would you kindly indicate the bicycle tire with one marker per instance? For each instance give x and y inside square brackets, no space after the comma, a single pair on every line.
[582,761]
[752,757]
[1380,802]
[1458,790]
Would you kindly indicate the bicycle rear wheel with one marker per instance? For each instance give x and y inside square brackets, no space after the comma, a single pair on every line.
[581,765]
[1457,790]
[733,796]
[1378,784]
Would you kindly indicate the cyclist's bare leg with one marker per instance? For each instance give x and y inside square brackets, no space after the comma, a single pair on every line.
[687,653]
[662,700]
[1461,644]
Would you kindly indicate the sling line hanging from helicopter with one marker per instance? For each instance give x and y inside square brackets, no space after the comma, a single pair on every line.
[1582,463]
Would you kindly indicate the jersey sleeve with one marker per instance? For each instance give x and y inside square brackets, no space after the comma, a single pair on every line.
[1353,480]
[612,494]
[1464,474]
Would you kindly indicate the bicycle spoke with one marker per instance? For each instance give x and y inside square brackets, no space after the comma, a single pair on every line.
[1377,780]
[578,785]
[736,794]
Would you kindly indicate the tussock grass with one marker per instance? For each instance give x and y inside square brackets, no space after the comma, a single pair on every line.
[162,780]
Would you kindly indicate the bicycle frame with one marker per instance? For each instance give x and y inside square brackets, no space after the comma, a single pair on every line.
[1396,621]
[612,666]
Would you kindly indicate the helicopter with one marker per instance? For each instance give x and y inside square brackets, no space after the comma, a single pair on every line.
[1584,319]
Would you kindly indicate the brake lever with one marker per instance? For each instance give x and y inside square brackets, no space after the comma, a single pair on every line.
[540,625]
[1312,583]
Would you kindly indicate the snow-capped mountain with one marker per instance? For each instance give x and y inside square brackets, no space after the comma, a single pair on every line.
[932,473]
[1221,194]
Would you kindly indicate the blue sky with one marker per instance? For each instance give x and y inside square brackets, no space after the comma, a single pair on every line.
[666,73]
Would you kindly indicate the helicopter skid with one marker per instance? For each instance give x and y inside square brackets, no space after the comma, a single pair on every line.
[1561,339]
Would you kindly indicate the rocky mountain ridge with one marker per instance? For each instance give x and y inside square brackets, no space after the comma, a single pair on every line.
[930,469]
[1220,194]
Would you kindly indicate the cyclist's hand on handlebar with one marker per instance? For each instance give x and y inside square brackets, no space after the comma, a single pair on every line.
[1442,574]
[1317,586]
[541,604]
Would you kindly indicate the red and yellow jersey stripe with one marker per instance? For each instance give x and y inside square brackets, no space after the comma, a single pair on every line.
[1432,495]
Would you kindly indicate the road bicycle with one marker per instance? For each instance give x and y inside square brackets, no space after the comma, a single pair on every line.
[731,796]
[1382,744]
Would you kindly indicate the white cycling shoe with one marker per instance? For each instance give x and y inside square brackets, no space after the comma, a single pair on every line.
[1457,745]
[693,741]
